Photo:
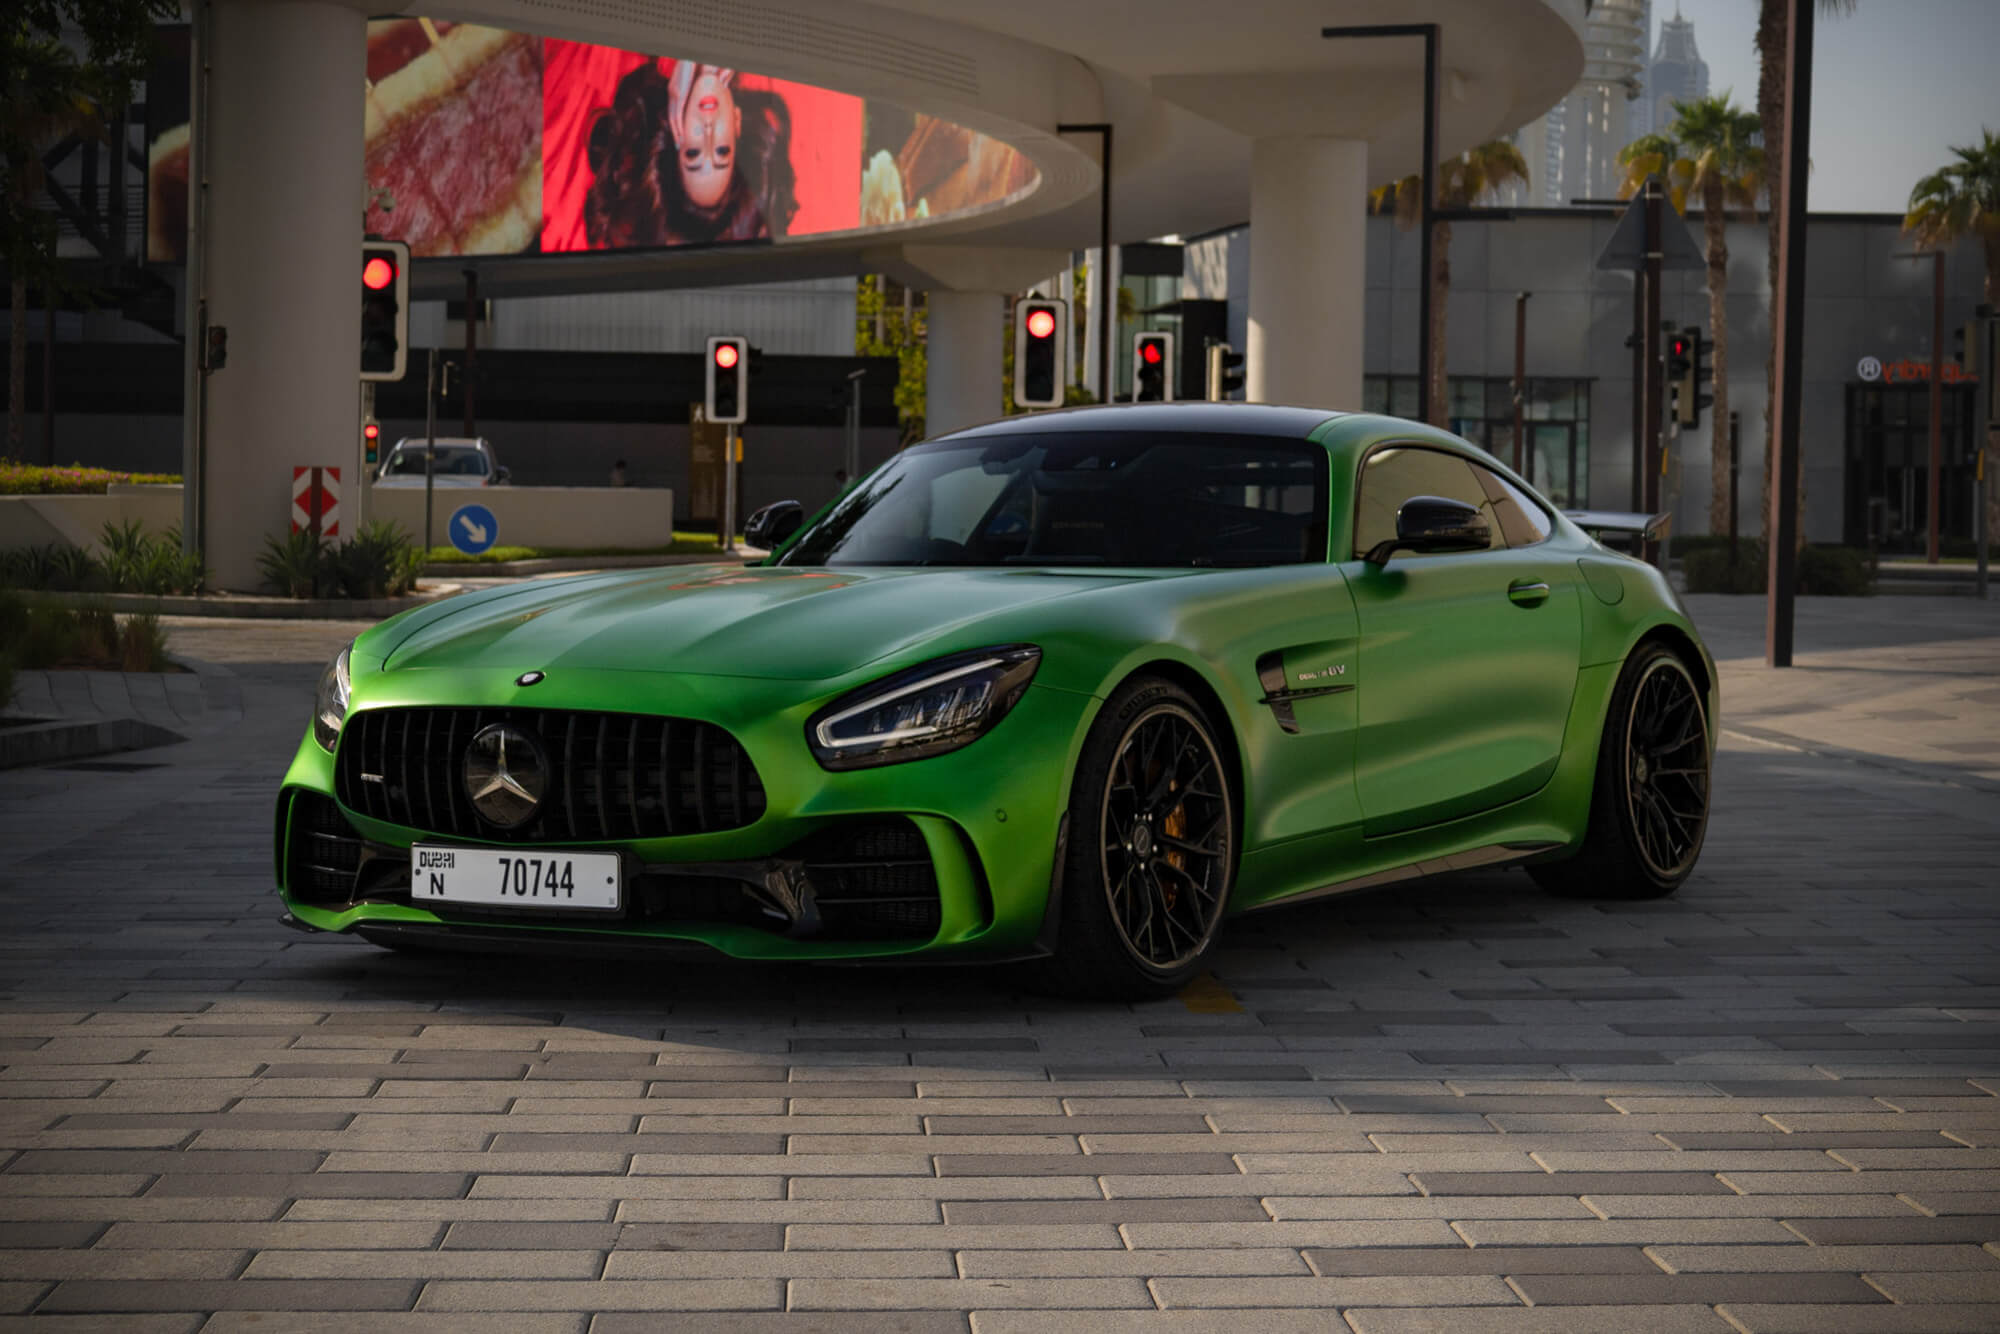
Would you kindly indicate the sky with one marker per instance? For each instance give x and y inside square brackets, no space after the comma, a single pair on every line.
[1896,84]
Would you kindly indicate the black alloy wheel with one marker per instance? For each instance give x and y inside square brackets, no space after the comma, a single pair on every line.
[1150,855]
[1164,840]
[1649,804]
[1666,768]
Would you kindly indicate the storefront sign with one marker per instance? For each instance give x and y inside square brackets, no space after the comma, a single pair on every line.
[1908,371]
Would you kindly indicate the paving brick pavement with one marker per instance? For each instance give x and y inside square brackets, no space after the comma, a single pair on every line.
[1771,1103]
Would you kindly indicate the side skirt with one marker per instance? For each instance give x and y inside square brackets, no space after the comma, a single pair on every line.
[1489,855]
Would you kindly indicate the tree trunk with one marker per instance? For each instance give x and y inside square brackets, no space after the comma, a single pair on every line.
[17,368]
[1715,223]
[1440,294]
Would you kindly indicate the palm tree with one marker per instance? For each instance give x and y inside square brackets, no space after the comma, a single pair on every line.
[1466,181]
[1711,151]
[1961,200]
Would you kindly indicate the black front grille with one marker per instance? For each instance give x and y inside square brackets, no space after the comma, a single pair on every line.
[613,776]
[868,879]
[872,881]
[322,853]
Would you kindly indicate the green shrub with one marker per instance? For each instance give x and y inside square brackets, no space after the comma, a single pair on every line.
[20,479]
[1839,572]
[1821,571]
[1709,569]
[295,565]
[377,562]
[13,624]
[143,644]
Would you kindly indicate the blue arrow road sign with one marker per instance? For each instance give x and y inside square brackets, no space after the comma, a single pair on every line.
[473,528]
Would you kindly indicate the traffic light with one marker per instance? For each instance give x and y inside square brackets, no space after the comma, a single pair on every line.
[385,309]
[728,398]
[1964,342]
[1041,338]
[1225,372]
[1700,380]
[1680,367]
[217,354]
[371,441]
[1152,367]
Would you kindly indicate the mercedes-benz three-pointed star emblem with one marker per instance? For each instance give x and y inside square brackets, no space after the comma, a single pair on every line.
[506,775]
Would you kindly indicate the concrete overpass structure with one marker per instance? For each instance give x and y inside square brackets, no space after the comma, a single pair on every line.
[1220,113]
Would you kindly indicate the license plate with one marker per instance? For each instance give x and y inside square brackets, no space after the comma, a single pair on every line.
[491,878]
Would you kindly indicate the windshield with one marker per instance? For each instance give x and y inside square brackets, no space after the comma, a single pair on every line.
[1108,498]
[452,460]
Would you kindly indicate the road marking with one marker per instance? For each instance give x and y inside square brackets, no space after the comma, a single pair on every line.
[1207,995]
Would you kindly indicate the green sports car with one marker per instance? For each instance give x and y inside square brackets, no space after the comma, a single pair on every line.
[1068,688]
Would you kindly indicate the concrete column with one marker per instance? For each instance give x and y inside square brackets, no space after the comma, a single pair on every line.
[1308,252]
[962,385]
[283,255]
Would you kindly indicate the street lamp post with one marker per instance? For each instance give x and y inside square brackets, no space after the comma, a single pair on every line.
[1427,183]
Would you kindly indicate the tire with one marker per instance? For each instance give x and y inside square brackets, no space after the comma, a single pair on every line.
[1649,803]
[1151,855]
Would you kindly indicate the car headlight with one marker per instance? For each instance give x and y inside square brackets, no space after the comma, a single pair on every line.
[924,711]
[330,701]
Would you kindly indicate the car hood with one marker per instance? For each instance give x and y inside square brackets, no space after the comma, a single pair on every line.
[783,624]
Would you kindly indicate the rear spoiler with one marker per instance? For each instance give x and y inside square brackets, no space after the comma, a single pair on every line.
[1646,527]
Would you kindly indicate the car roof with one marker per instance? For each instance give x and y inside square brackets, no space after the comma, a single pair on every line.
[445,442]
[1194,417]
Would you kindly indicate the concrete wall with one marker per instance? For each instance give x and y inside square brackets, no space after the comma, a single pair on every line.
[527,516]
[779,462]
[33,521]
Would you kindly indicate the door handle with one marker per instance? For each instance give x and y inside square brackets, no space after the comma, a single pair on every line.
[1527,592]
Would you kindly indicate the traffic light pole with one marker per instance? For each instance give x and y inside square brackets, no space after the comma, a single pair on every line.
[364,502]
[430,442]
[725,527]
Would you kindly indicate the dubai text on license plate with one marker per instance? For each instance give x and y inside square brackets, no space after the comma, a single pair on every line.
[493,878]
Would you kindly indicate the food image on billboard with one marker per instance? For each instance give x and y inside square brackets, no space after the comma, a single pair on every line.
[453,133]
[919,167]
[480,141]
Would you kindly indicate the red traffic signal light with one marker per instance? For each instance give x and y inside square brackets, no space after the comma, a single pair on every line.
[727,355]
[1152,360]
[1040,352]
[385,309]
[371,432]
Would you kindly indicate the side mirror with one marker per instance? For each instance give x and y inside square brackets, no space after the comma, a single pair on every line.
[501,477]
[1433,525]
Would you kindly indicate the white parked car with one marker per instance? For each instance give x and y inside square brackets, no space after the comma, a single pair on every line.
[461,461]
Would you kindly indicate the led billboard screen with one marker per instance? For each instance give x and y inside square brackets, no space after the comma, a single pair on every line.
[486,142]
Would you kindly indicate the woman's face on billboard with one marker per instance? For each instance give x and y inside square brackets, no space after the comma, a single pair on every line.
[706,135]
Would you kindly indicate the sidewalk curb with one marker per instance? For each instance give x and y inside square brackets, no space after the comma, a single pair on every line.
[253,608]
[1932,773]
[57,739]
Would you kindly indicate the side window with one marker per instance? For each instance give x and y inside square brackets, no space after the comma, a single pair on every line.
[1522,522]
[1392,476]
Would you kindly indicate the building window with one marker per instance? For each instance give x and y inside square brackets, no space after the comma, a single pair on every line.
[1556,424]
